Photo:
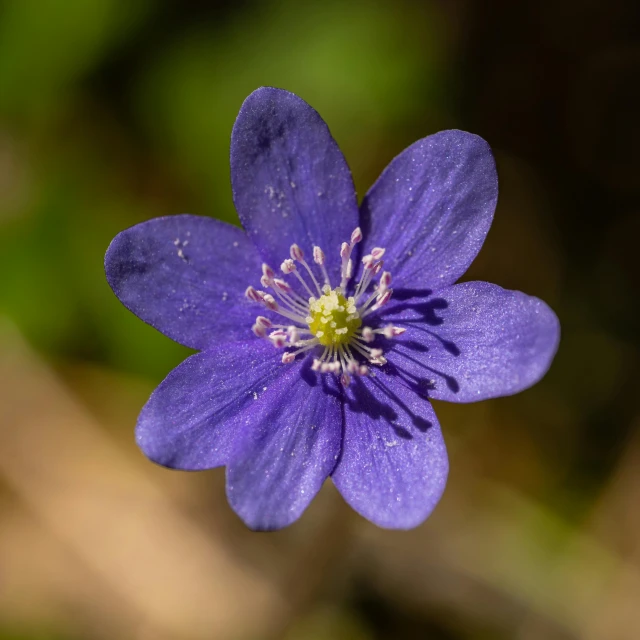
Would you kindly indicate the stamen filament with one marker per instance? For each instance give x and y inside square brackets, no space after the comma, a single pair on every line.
[307,347]
[364,282]
[294,308]
[291,316]
[304,284]
[315,282]
[370,299]
[325,275]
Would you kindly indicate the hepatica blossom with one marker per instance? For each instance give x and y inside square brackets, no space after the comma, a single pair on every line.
[324,329]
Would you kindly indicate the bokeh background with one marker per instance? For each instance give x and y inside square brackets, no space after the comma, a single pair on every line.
[113,112]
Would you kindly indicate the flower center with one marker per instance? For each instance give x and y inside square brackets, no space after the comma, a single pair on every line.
[334,318]
[326,322]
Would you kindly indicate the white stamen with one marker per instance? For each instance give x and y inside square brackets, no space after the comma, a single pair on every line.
[253,294]
[292,301]
[313,278]
[265,281]
[368,262]
[391,332]
[296,253]
[304,284]
[345,271]
[270,302]
[385,281]
[278,338]
[367,334]
[383,299]
[288,266]
[259,331]
[264,322]
[319,259]
[282,285]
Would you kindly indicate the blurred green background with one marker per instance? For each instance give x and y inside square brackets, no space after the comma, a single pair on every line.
[113,112]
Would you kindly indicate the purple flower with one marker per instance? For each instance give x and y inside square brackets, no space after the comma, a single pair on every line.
[312,361]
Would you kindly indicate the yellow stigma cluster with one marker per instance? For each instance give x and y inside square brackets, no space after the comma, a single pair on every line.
[333,318]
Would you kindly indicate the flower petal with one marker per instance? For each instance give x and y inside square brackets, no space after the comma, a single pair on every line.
[291,183]
[431,208]
[286,451]
[393,467]
[474,341]
[186,276]
[190,420]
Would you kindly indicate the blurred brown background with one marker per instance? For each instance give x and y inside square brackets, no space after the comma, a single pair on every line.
[113,112]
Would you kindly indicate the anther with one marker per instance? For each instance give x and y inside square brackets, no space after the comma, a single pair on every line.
[296,253]
[345,379]
[270,302]
[383,298]
[377,253]
[259,330]
[368,261]
[293,333]
[318,255]
[281,285]
[385,281]
[288,357]
[264,322]
[356,236]
[278,338]
[316,365]
[265,281]
[268,271]
[391,332]
[367,334]
[253,294]
[345,250]
[288,266]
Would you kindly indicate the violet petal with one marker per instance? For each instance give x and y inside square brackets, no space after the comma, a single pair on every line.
[190,420]
[291,183]
[474,341]
[393,467]
[186,276]
[431,209]
[286,451]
